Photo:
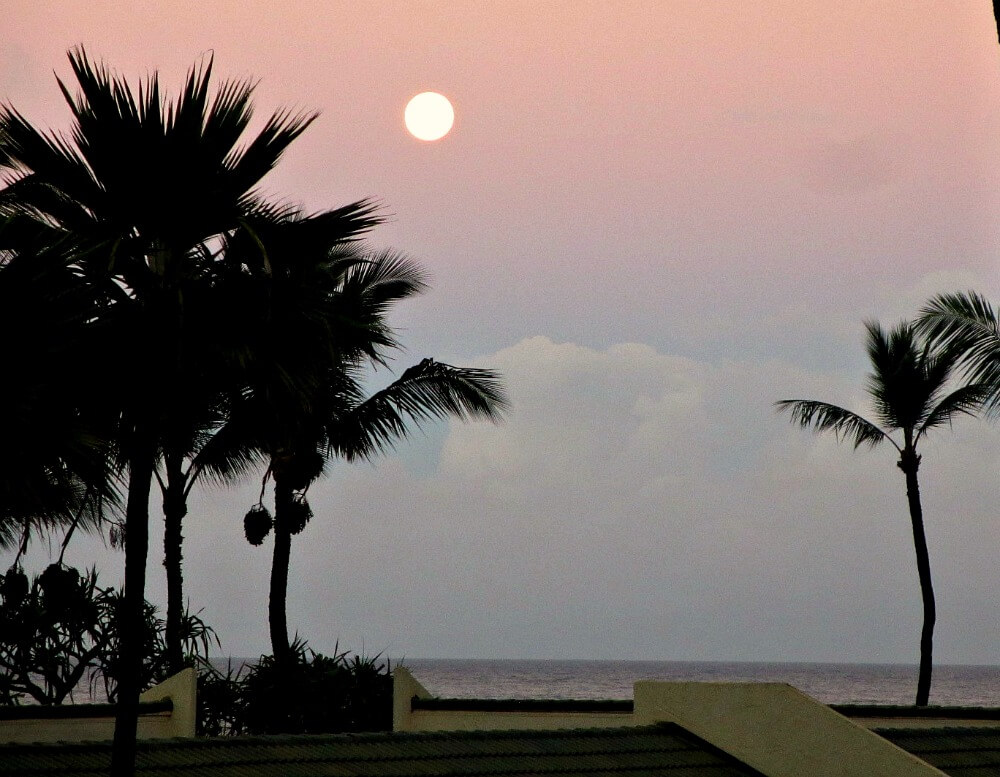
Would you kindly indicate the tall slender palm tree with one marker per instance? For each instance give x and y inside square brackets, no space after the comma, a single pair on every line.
[912,391]
[143,187]
[324,318]
[359,429]
[968,324]
[198,443]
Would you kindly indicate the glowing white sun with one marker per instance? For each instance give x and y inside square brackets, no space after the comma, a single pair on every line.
[429,116]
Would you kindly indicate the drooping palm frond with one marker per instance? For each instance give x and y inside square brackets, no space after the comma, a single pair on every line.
[369,286]
[967,325]
[966,400]
[427,390]
[824,417]
[225,458]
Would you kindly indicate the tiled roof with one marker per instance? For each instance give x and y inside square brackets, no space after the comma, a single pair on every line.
[664,749]
[959,752]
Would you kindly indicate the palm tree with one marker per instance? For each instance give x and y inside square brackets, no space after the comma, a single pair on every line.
[359,430]
[969,325]
[910,386]
[143,188]
[53,464]
[198,442]
[323,319]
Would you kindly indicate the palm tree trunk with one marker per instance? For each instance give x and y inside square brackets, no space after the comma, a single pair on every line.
[909,462]
[174,510]
[142,460]
[276,605]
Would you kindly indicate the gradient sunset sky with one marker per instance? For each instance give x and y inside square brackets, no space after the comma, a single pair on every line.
[656,218]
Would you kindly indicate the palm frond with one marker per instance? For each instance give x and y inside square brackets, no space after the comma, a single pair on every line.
[960,318]
[966,400]
[228,456]
[249,165]
[428,390]
[385,277]
[824,417]
[966,325]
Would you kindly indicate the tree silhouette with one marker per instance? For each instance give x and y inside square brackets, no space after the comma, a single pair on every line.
[198,443]
[140,193]
[53,464]
[360,430]
[323,320]
[909,385]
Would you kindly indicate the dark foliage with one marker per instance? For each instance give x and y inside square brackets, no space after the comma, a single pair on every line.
[220,701]
[53,630]
[62,628]
[308,694]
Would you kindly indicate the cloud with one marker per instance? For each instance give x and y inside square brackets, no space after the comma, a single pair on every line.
[636,504]
[646,505]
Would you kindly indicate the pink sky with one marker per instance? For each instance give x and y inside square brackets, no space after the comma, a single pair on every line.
[723,184]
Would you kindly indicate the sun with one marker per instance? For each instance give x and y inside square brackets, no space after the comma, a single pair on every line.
[429,116]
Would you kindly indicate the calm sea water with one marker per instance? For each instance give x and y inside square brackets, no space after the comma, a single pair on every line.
[829,683]
[977,686]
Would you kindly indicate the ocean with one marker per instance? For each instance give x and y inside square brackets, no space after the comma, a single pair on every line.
[829,683]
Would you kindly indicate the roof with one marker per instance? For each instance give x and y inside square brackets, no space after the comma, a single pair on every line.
[959,752]
[661,749]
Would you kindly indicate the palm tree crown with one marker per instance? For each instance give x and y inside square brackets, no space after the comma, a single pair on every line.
[911,391]
[138,167]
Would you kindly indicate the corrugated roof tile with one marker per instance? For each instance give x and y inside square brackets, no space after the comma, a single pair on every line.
[661,749]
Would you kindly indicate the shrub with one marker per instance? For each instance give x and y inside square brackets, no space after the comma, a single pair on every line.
[61,629]
[309,694]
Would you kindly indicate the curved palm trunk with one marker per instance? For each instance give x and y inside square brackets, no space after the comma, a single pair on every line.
[142,460]
[910,462]
[174,510]
[277,617]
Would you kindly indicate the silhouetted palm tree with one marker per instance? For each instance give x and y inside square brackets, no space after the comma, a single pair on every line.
[198,443]
[324,318]
[53,463]
[911,390]
[360,430]
[968,325]
[144,187]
